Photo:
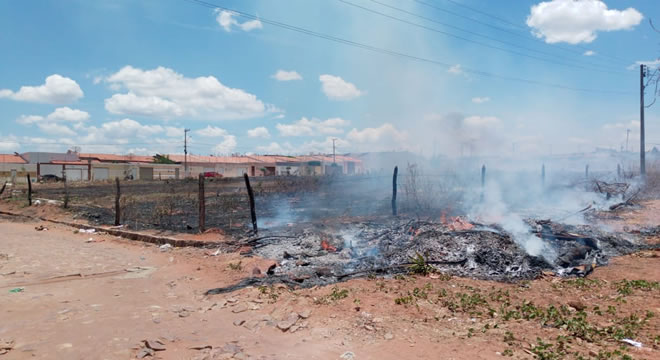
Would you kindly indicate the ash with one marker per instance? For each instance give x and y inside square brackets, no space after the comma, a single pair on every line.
[320,253]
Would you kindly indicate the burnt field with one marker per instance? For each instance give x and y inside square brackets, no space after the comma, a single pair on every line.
[173,205]
[322,230]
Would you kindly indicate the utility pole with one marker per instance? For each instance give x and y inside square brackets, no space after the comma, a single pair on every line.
[185,153]
[642,146]
[334,156]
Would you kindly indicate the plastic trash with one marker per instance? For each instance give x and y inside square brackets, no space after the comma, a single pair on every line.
[634,343]
[165,247]
[16,290]
[88,231]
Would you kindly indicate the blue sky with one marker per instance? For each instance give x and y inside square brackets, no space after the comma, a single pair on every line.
[128,76]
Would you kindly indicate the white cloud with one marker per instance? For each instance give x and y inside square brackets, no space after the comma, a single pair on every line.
[482,121]
[323,147]
[259,132]
[649,63]
[227,145]
[56,90]
[579,140]
[212,131]
[373,135]
[29,119]
[62,114]
[9,144]
[480,100]
[308,147]
[59,144]
[251,25]
[336,88]
[129,127]
[119,132]
[313,127]
[52,124]
[634,124]
[456,69]
[142,105]
[589,53]
[164,93]
[578,21]
[227,21]
[67,114]
[283,75]
[274,148]
[141,151]
[171,131]
[55,129]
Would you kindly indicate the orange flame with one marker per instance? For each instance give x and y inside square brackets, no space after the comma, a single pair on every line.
[325,245]
[458,224]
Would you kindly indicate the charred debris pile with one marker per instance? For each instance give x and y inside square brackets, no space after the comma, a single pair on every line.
[325,250]
[320,253]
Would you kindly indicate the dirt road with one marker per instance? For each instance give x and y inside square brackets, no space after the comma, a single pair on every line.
[106,312]
[88,296]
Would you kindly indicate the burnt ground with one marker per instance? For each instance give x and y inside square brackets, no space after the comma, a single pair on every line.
[322,253]
[394,282]
[101,298]
[173,205]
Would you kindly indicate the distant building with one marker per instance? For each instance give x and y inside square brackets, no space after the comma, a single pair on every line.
[101,167]
[14,169]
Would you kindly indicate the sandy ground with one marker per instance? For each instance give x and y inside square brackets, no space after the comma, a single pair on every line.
[88,296]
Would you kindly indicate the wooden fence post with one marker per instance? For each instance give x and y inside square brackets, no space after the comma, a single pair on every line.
[117,207]
[483,176]
[3,188]
[202,205]
[253,213]
[66,193]
[29,190]
[483,181]
[396,172]
[543,175]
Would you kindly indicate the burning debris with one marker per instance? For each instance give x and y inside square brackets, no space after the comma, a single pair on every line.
[319,254]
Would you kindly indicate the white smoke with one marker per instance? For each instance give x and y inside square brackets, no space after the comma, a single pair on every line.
[492,209]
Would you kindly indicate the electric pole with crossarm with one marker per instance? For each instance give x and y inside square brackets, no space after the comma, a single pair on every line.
[642,146]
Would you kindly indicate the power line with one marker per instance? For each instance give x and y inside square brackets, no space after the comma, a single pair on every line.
[610,71]
[400,54]
[526,36]
[487,14]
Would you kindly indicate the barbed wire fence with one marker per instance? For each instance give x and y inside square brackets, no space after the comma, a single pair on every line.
[174,205]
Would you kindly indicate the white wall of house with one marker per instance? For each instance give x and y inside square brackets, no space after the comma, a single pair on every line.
[288,169]
[17,173]
[75,172]
[100,173]
[50,169]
